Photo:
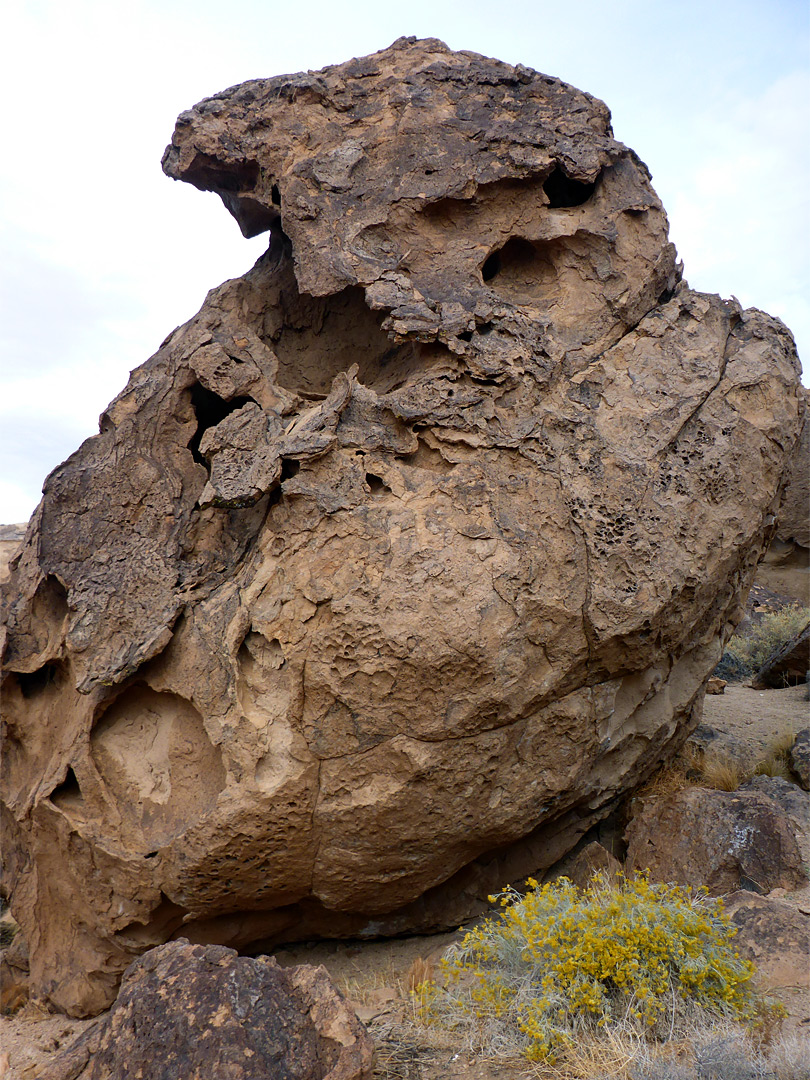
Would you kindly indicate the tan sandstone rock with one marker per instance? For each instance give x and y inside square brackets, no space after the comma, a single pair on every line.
[404,559]
[11,538]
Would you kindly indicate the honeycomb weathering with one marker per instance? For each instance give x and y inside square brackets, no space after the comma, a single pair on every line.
[409,555]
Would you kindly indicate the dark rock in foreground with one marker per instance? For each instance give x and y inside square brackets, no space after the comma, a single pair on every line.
[197,1013]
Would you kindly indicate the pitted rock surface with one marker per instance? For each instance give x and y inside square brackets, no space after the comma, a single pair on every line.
[404,559]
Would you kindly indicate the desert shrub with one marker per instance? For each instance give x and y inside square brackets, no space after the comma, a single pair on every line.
[746,652]
[559,963]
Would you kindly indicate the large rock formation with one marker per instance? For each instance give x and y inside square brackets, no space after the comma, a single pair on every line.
[408,555]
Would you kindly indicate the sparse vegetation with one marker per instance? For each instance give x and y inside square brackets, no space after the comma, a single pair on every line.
[559,969]
[747,651]
[719,770]
[776,761]
[722,773]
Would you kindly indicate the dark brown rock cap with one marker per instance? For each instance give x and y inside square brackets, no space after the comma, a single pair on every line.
[342,158]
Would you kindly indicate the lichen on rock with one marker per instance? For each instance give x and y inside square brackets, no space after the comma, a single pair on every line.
[403,560]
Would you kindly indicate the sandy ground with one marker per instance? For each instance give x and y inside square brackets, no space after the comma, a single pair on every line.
[756,718]
[377,976]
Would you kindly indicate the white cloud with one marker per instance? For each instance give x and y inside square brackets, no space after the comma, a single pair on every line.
[740,214]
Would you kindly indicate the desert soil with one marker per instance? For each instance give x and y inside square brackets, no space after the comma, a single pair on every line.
[376,976]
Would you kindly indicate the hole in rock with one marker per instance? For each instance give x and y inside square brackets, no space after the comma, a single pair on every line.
[491,266]
[289,469]
[68,793]
[50,603]
[484,328]
[210,410]
[465,335]
[257,649]
[563,192]
[326,335]
[234,182]
[208,174]
[377,484]
[34,682]
[522,270]
[158,763]
[275,195]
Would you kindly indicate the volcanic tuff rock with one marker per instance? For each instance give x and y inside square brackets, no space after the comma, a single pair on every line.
[397,565]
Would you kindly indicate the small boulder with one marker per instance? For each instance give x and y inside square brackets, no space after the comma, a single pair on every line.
[724,840]
[720,745]
[202,1011]
[800,757]
[794,801]
[716,685]
[592,859]
[775,936]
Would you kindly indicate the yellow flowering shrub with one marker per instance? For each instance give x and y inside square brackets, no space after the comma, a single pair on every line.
[559,961]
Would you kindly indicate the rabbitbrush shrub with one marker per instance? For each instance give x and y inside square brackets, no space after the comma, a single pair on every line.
[559,963]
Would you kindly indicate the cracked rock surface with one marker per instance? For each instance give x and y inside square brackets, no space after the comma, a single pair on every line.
[405,558]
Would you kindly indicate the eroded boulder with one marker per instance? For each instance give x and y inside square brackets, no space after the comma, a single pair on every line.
[787,665]
[404,559]
[196,1012]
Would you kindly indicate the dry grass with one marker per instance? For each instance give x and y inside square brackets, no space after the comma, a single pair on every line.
[699,1049]
[722,772]
[364,988]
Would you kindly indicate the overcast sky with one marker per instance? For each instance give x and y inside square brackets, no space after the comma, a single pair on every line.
[102,255]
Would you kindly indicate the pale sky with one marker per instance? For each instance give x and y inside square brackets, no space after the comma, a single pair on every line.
[102,255]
